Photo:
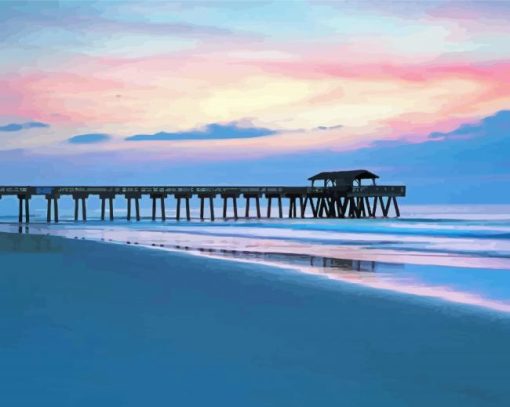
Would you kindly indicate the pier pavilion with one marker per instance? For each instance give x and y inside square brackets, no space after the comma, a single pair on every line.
[341,195]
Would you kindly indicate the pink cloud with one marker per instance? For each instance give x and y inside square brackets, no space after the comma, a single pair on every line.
[60,97]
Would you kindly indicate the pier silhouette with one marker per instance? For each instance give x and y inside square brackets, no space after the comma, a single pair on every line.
[341,195]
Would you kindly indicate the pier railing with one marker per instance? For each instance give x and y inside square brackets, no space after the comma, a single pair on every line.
[120,190]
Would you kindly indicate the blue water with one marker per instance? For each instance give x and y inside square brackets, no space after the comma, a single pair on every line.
[454,253]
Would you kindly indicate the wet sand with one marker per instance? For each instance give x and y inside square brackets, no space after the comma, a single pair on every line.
[88,323]
[462,278]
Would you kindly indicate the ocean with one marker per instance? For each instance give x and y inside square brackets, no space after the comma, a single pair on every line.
[458,253]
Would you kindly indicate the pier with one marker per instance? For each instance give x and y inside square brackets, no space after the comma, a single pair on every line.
[336,194]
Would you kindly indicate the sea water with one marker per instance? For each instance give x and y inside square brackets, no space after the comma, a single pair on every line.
[458,253]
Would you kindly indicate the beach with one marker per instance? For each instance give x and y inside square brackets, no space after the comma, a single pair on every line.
[89,323]
[255,203]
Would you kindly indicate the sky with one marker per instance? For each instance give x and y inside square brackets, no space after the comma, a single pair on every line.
[258,92]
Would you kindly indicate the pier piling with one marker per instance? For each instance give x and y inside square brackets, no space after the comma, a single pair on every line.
[52,200]
[256,196]
[269,206]
[226,196]
[210,197]
[136,197]
[161,197]
[211,207]
[80,197]
[103,204]
[163,213]
[24,208]
[395,205]
[110,197]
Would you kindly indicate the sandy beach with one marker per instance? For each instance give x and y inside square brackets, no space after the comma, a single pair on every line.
[88,323]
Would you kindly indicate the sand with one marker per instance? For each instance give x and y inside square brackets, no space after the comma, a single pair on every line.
[87,323]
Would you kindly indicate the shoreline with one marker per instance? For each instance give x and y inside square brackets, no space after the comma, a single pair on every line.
[279,272]
[340,276]
[348,270]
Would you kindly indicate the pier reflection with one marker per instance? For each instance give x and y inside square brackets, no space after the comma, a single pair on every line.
[293,259]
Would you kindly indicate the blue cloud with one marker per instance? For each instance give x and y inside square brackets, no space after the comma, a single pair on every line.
[212,131]
[22,126]
[90,138]
[489,125]
[32,125]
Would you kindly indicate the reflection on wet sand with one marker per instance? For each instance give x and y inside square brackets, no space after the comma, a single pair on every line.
[293,259]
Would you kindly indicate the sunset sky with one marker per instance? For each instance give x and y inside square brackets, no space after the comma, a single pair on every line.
[258,93]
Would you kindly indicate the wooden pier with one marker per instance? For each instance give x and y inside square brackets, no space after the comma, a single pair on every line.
[342,195]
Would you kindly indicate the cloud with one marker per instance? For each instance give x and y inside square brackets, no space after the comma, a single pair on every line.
[90,138]
[23,126]
[338,126]
[92,17]
[498,123]
[213,131]
[475,169]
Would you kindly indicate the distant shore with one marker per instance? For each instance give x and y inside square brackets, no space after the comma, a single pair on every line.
[85,322]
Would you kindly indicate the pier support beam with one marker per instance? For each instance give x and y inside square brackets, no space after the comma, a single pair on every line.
[359,207]
[136,196]
[77,198]
[247,197]
[163,213]
[24,208]
[188,211]
[395,205]
[330,207]
[385,207]
[302,205]
[342,204]
[226,196]
[257,205]
[178,208]
[368,207]
[211,207]
[48,211]
[210,197]
[352,207]
[269,197]
[110,197]
[292,205]
[202,204]
[83,209]
[52,198]
[321,210]
[313,205]
[161,197]
[374,207]
[186,196]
